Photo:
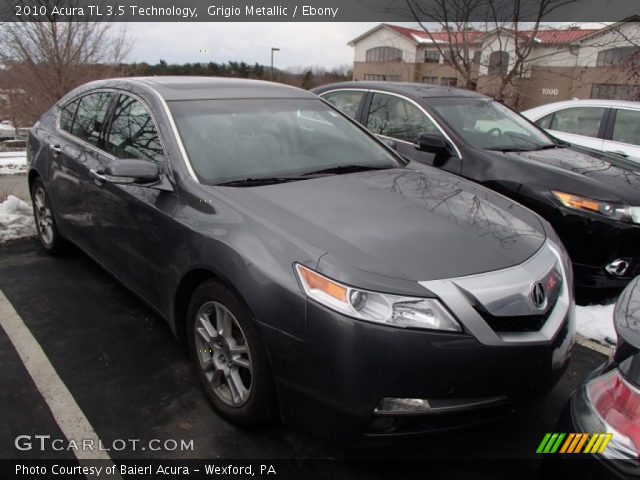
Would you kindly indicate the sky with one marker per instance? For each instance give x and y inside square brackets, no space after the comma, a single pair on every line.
[301,44]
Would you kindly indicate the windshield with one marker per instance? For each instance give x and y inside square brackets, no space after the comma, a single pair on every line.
[253,139]
[487,124]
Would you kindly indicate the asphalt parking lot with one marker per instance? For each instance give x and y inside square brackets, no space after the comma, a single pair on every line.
[133,379]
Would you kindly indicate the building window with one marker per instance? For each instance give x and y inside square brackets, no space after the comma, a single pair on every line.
[374,77]
[498,63]
[430,80]
[449,81]
[477,55]
[431,56]
[615,92]
[626,56]
[384,54]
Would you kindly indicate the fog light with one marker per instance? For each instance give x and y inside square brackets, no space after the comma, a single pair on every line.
[417,406]
[618,267]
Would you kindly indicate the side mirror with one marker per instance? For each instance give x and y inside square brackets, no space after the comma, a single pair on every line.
[428,142]
[626,317]
[127,171]
[133,171]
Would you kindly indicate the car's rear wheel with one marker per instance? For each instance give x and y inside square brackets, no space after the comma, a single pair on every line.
[45,220]
[229,357]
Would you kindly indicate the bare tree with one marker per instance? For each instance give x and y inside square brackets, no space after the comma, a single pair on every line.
[42,58]
[500,19]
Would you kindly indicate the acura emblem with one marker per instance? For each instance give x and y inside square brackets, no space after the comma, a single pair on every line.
[538,295]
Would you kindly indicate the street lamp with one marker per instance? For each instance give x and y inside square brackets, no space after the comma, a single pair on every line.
[273,49]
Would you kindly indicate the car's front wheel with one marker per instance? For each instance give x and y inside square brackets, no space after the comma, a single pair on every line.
[229,356]
[45,220]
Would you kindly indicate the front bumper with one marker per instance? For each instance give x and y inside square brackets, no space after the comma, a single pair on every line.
[333,382]
[593,243]
[338,379]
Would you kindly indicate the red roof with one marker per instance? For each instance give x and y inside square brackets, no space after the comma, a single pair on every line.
[561,36]
[543,36]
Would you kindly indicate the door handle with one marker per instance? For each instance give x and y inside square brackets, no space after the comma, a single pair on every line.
[622,154]
[101,178]
[55,149]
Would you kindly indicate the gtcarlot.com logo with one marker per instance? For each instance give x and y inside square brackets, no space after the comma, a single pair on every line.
[574,443]
[46,442]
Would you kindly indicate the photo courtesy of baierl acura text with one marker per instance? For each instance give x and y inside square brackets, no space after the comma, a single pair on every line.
[319,239]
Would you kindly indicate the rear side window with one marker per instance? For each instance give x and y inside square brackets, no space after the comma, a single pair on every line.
[626,128]
[345,101]
[67,114]
[579,120]
[398,118]
[133,133]
[90,115]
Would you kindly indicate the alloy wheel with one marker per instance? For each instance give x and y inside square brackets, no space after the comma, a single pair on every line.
[44,217]
[223,353]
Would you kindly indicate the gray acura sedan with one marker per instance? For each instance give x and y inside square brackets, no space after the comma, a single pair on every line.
[313,272]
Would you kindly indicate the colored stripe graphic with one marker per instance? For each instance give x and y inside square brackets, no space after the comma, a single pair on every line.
[593,440]
[582,442]
[567,442]
[605,442]
[543,443]
[574,443]
[555,447]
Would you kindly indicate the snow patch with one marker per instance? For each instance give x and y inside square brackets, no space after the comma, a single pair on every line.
[595,322]
[16,219]
[12,163]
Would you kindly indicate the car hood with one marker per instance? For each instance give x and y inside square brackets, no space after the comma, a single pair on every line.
[616,179]
[400,222]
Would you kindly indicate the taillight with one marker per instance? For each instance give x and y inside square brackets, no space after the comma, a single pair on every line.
[617,403]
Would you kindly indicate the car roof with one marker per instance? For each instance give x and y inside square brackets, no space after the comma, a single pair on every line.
[419,90]
[204,88]
[552,107]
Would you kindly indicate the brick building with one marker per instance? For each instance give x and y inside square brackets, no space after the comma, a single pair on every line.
[562,64]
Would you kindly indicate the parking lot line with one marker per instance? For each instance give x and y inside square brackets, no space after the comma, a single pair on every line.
[65,410]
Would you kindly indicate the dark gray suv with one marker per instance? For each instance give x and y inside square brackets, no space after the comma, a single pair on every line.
[312,271]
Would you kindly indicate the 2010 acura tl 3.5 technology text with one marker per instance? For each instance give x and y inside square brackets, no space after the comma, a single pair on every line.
[313,272]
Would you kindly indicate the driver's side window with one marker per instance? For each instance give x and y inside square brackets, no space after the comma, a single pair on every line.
[398,118]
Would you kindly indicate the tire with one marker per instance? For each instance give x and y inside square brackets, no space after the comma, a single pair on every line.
[46,227]
[229,357]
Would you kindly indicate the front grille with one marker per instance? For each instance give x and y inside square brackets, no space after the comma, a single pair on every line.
[515,324]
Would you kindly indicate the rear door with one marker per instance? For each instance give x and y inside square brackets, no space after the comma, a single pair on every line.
[580,125]
[74,150]
[623,135]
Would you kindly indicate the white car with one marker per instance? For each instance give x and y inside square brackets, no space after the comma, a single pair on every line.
[608,125]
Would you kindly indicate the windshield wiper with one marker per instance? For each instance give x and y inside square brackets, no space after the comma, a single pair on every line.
[344,169]
[522,149]
[550,146]
[253,181]
[508,149]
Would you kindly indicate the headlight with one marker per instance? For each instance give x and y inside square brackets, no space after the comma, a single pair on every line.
[617,212]
[395,310]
